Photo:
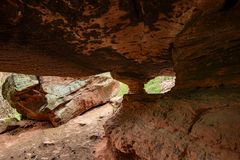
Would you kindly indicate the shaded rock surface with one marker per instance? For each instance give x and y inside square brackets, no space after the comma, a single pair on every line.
[136,40]
[200,125]
[77,139]
[55,98]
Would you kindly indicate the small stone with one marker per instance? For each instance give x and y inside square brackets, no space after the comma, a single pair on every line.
[48,142]
[94,137]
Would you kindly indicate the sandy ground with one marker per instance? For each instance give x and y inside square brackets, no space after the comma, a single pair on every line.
[75,140]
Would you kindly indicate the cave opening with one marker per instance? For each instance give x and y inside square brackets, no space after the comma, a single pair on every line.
[56,106]
[72,118]
[160,84]
[55,99]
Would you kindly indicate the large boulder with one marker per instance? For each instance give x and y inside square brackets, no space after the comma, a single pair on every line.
[8,115]
[176,126]
[57,99]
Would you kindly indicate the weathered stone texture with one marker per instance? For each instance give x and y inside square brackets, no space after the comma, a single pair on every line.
[203,125]
[57,99]
[137,39]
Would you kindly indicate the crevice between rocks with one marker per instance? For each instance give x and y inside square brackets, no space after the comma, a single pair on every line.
[183,154]
[228,4]
[196,118]
[138,9]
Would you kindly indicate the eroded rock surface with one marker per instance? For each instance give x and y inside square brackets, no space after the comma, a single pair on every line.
[55,98]
[200,125]
[133,39]
[137,40]
[8,115]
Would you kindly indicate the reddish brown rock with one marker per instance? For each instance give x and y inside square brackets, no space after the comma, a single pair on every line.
[134,39]
[97,91]
[55,98]
[137,40]
[177,126]
[206,53]
[24,93]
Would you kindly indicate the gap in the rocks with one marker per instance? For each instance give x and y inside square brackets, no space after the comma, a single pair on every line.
[38,138]
[123,89]
[160,84]
[9,115]
[59,92]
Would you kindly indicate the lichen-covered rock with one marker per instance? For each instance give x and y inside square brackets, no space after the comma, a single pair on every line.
[57,99]
[8,115]
[24,93]
[82,96]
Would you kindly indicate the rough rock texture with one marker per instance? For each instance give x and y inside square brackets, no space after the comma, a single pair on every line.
[55,98]
[206,53]
[136,40]
[200,125]
[43,37]
[6,111]
[8,115]
[167,85]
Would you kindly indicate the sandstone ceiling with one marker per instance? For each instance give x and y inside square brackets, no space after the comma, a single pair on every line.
[134,39]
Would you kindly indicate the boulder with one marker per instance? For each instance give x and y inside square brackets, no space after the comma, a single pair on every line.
[176,126]
[24,93]
[8,115]
[57,99]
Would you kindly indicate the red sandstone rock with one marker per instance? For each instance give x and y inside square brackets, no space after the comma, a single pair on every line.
[135,39]
[57,99]
[177,126]
[97,91]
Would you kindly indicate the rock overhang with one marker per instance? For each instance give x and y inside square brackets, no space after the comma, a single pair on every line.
[135,40]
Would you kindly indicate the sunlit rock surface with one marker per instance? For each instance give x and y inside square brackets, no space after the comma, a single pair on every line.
[57,99]
[8,115]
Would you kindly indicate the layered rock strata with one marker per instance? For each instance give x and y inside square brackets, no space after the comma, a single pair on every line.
[137,39]
[57,99]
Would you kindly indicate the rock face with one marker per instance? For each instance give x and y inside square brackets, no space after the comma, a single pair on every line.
[136,40]
[55,98]
[177,126]
[140,39]
[206,53]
